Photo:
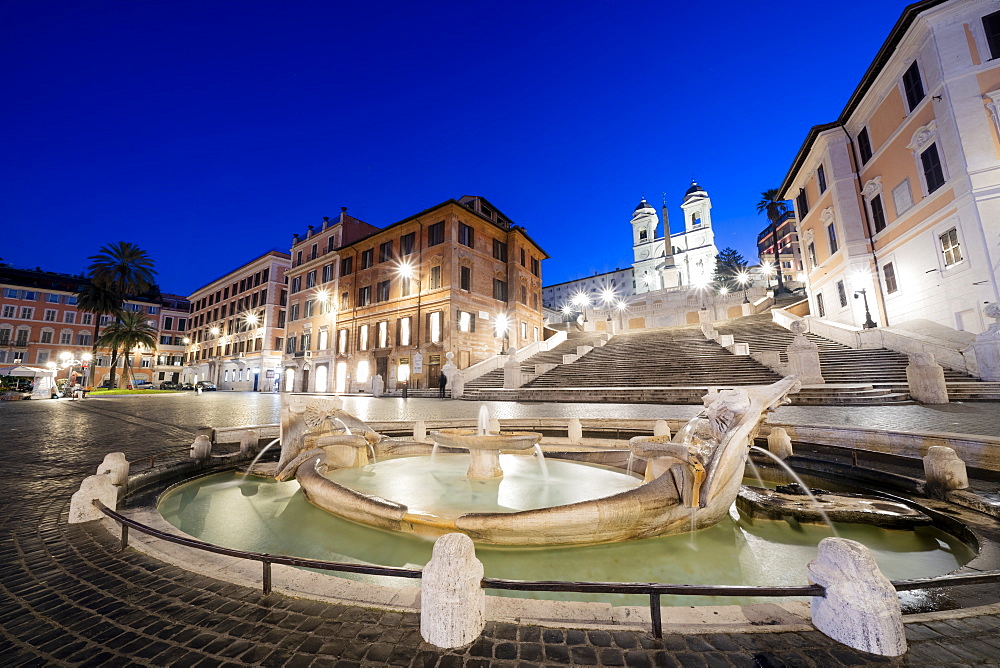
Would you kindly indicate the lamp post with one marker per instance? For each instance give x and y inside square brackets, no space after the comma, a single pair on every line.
[502,328]
[582,300]
[768,270]
[869,323]
[701,285]
[622,308]
[743,278]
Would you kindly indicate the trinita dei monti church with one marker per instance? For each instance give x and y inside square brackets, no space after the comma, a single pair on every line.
[674,259]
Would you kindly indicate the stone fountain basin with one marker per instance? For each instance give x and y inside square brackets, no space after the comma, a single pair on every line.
[471,439]
[649,447]
[756,502]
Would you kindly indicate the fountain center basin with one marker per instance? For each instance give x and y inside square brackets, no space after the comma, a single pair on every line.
[438,484]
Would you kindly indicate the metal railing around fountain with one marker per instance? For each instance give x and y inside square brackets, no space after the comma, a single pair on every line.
[652,589]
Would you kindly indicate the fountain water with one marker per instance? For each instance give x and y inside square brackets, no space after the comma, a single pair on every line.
[257,458]
[805,488]
[541,461]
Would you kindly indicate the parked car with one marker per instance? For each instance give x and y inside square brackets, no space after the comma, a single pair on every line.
[143,385]
[185,386]
[169,385]
[206,386]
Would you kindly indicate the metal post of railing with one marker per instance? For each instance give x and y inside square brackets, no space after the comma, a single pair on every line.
[124,541]
[267,576]
[854,457]
[654,614]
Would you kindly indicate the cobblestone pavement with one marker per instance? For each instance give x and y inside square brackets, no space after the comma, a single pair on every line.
[66,597]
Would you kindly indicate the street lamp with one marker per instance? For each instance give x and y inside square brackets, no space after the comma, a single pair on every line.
[743,278]
[701,285]
[502,328]
[869,323]
[768,270]
[582,300]
[67,361]
[622,307]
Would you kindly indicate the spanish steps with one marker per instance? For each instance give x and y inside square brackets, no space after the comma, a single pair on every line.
[678,365]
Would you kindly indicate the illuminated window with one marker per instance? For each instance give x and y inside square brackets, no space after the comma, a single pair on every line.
[382,334]
[434,326]
[363,337]
[362,375]
[950,247]
[404,331]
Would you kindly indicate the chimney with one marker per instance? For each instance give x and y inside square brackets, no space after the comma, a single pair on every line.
[326,222]
[343,214]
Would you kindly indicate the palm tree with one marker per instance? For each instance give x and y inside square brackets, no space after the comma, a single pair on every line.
[130,331]
[100,299]
[124,266]
[125,269]
[775,208]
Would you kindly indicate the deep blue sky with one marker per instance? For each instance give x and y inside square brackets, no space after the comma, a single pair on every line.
[208,132]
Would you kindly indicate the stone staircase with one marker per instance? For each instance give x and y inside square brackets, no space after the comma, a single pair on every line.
[574,338]
[872,371]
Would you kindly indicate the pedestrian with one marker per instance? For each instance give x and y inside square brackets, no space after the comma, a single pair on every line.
[442,383]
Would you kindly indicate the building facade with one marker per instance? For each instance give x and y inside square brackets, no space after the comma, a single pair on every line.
[236,330]
[559,296]
[40,323]
[397,300]
[789,250]
[897,199]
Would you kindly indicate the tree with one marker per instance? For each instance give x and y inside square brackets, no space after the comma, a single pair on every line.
[100,299]
[125,269]
[728,265]
[775,209]
[131,330]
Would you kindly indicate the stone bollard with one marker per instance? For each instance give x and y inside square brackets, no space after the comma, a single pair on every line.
[201,448]
[452,600]
[115,466]
[803,357]
[248,442]
[860,608]
[95,487]
[419,431]
[987,345]
[378,386]
[661,428]
[574,431]
[925,378]
[779,443]
[512,374]
[943,470]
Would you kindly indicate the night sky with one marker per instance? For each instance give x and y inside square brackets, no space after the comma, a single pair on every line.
[209,132]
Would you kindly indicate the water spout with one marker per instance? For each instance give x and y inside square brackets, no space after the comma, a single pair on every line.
[796,478]
[483,424]
[631,460]
[347,430]
[256,459]
[372,448]
[541,461]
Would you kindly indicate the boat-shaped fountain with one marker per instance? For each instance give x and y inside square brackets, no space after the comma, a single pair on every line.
[691,481]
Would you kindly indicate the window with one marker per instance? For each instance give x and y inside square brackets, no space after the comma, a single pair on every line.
[864,146]
[404,286]
[331,243]
[65,338]
[878,213]
[50,315]
[382,334]
[296,284]
[820,308]
[524,295]
[499,290]
[8,311]
[991,26]
[890,278]
[435,278]
[52,299]
[328,273]
[281,319]
[42,357]
[950,247]
[802,203]
[83,339]
[902,197]
[499,250]
[913,86]
[342,341]
[931,163]
[46,335]
[367,258]
[309,308]
[290,348]
[382,291]
[346,266]
[434,326]
[522,257]
[404,331]
[345,301]
[812,255]
[642,235]
[311,279]
[363,337]
[466,278]
[524,331]
[435,234]
[293,313]
[842,293]
[821,179]
[306,341]
[313,252]
[831,233]
[364,296]
[385,251]
[466,322]
[406,243]
[466,235]
[29,313]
